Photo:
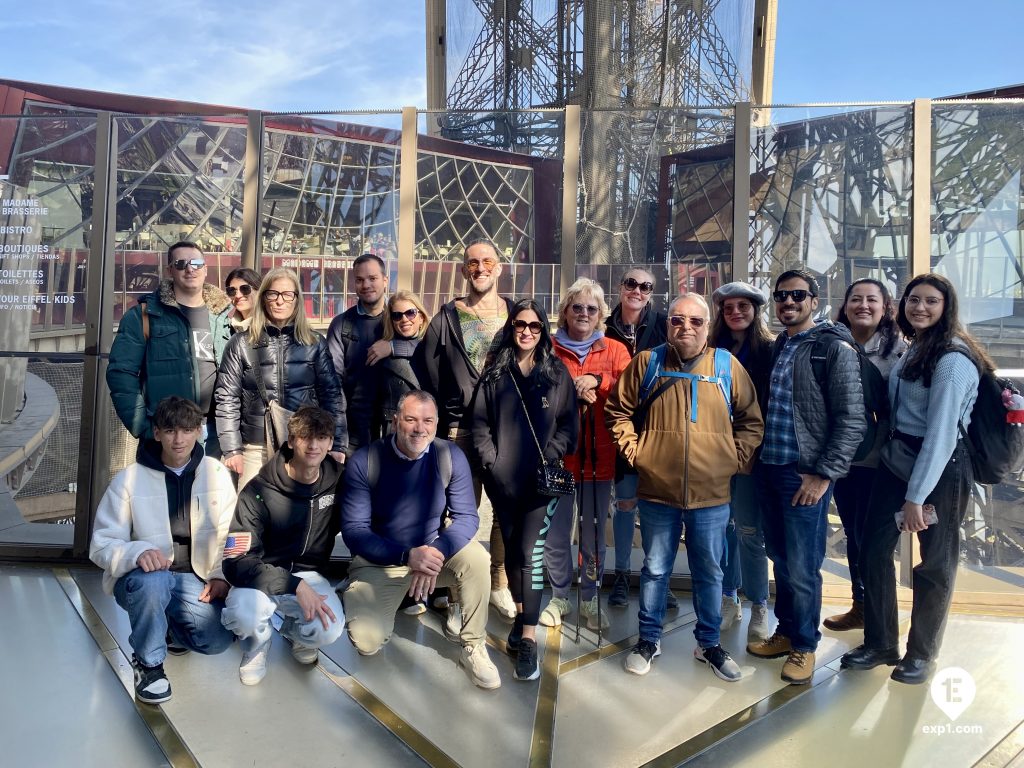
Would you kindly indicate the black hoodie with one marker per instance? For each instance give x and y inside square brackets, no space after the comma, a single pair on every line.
[179,495]
[291,527]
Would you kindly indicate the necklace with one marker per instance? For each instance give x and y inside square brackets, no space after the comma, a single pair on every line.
[476,314]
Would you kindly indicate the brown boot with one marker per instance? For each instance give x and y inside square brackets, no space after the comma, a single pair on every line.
[852,619]
[799,668]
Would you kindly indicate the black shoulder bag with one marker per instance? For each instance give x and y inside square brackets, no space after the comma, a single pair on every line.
[552,479]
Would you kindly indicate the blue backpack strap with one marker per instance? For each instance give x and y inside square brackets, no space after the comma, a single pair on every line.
[653,370]
[723,372]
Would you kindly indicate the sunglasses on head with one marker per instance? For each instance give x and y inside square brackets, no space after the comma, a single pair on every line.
[409,314]
[521,325]
[678,320]
[182,264]
[631,285]
[241,290]
[798,295]
[588,309]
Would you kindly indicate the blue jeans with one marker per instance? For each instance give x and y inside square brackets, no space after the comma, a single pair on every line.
[795,540]
[745,562]
[162,600]
[660,526]
[624,521]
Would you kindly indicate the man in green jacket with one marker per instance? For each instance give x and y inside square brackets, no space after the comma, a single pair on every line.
[170,343]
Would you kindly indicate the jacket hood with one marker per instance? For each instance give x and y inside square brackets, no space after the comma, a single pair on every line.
[835,329]
[213,297]
[148,455]
[274,475]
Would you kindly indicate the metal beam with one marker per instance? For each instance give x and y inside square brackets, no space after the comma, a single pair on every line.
[570,184]
[766,14]
[407,188]
[437,63]
[252,193]
[921,196]
[741,193]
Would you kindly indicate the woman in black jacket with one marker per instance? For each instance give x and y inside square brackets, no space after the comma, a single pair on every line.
[404,319]
[294,366]
[525,391]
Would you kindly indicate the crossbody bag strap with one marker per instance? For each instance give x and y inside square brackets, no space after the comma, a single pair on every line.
[528,422]
[256,374]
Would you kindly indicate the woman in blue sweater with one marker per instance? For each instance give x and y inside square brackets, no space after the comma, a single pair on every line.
[924,479]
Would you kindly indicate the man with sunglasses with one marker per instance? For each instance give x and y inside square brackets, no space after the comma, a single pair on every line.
[452,355]
[171,343]
[700,425]
[811,434]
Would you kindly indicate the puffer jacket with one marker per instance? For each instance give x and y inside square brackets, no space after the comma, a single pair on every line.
[829,425]
[141,373]
[682,463]
[608,359]
[293,374]
[398,375]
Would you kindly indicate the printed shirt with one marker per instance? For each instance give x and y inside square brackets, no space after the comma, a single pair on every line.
[202,343]
[479,334]
[780,446]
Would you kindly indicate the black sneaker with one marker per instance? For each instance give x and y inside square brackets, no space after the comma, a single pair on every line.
[619,598]
[526,660]
[515,637]
[639,661]
[720,661]
[174,647]
[151,684]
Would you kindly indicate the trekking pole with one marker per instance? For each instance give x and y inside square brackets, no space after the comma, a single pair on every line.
[579,521]
[593,497]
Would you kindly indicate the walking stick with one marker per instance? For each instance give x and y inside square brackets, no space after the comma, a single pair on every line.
[579,520]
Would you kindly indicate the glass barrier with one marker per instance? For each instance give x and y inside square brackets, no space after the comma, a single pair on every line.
[46,184]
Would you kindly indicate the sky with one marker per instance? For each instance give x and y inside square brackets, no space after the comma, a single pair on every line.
[354,54]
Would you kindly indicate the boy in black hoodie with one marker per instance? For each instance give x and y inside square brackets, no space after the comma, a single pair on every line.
[280,542]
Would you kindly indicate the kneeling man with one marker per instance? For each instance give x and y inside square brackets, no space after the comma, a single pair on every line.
[159,533]
[280,543]
[397,492]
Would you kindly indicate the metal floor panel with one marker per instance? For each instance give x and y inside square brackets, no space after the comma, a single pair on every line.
[61,703]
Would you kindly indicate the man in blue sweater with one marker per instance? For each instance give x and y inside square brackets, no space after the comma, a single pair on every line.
[408,516]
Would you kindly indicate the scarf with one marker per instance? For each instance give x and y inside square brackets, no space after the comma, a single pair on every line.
[579,348]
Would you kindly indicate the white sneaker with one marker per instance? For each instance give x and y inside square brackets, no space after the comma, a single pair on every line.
[478,665]
[254,664]
[590,611]
[453,623]
[501,599]
[415,609]
[732,612]
[553,613]
[758,630]
[305,654]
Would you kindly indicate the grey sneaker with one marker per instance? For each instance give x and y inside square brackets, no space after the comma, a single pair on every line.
[758,630]
[305,654]
[453,623]
[720,661]
[590,610]
[639,661]
[732,612]
[553,613]
[254,664]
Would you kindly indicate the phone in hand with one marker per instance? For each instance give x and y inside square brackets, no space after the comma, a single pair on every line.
[930,517]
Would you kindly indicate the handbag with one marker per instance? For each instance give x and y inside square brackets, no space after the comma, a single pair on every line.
[275,415]
[553,479]
[900,452]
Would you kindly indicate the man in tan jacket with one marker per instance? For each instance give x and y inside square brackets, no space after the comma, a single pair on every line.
[687,427]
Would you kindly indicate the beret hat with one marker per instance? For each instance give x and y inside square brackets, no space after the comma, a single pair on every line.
[737,290]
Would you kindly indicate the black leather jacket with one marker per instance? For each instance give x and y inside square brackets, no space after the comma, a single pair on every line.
[293,374]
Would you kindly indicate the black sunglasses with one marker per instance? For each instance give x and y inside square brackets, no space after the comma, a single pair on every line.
[798,295]
[182,264]
[409,314]
[631,285]
[521,325]
[244,290]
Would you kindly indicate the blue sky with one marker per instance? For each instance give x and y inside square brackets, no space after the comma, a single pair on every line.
[349,54]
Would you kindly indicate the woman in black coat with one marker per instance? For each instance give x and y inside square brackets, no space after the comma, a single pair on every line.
[294,366]
[525,391]
[405,320]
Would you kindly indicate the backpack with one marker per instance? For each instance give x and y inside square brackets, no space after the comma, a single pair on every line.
[876,396]
[654,371]
[373,460]
[995,445]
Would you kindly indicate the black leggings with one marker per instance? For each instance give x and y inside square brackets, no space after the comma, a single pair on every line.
[524,528]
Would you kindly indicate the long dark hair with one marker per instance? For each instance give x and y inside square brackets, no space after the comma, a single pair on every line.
[928,347]
[887,328]
[757,335]
[545,363]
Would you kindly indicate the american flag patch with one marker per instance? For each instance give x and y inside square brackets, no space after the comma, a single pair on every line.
[237,544]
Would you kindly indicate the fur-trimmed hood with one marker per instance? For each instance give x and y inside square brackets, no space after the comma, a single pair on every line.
[213,297]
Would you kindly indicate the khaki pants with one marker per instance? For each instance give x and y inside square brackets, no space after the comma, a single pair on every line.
[376,591]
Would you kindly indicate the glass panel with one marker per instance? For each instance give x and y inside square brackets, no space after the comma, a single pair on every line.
[46,187]
[330,194]
[977,239]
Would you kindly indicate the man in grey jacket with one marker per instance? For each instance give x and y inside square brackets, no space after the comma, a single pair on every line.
[812,431]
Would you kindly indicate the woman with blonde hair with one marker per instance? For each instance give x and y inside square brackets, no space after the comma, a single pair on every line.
[405,318]
[280,358]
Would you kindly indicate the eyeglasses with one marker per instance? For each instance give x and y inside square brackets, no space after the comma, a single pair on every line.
[631,285]
[409,314]
[798,295]
[242,290]
[487,263]
[678,320]
[182,264]
[286,296]
[521,325]
[588,309]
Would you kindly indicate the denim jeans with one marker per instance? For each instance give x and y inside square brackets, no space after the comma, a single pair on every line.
[558,545]
[162,600]
[794,538]
[624,521]
[852,495]
[745,562]
[934,576]
[660,526]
